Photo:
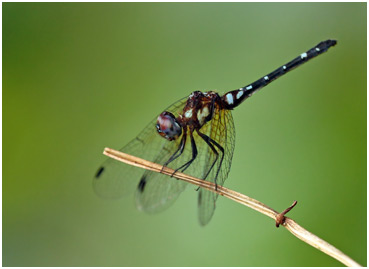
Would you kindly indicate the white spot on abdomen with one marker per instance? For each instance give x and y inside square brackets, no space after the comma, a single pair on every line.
[266,77]
[249,87]
[284,67]
[239,94]
[229,99]
[317,49]
[304,55]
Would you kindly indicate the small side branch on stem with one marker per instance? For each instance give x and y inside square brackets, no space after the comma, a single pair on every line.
[281,216]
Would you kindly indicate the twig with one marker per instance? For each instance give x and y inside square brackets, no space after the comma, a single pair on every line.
[280,219]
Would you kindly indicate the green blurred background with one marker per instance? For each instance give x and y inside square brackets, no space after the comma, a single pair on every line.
[78,77]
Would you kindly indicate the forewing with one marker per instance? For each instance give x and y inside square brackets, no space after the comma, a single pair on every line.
[115,179]
[155,191]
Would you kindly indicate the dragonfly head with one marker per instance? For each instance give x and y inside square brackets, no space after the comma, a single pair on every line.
[168,126]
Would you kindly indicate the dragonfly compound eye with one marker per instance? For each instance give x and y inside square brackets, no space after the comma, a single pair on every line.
[168,126]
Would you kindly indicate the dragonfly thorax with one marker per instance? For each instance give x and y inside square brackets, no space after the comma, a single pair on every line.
[199,108]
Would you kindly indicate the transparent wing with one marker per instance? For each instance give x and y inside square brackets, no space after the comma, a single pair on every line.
[115,179]
[221,129]
[156,191]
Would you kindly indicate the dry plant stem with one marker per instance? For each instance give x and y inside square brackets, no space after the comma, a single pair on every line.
[289,224]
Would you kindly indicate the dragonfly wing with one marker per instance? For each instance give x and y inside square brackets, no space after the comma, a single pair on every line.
[115,179]
[222,131]
[155,191]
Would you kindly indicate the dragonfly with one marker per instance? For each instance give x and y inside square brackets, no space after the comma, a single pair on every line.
[195,135]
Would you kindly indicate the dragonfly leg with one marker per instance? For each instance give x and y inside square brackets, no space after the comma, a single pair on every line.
[179,151]
[210,143]
[207,139]
[194,155]
[221,159]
